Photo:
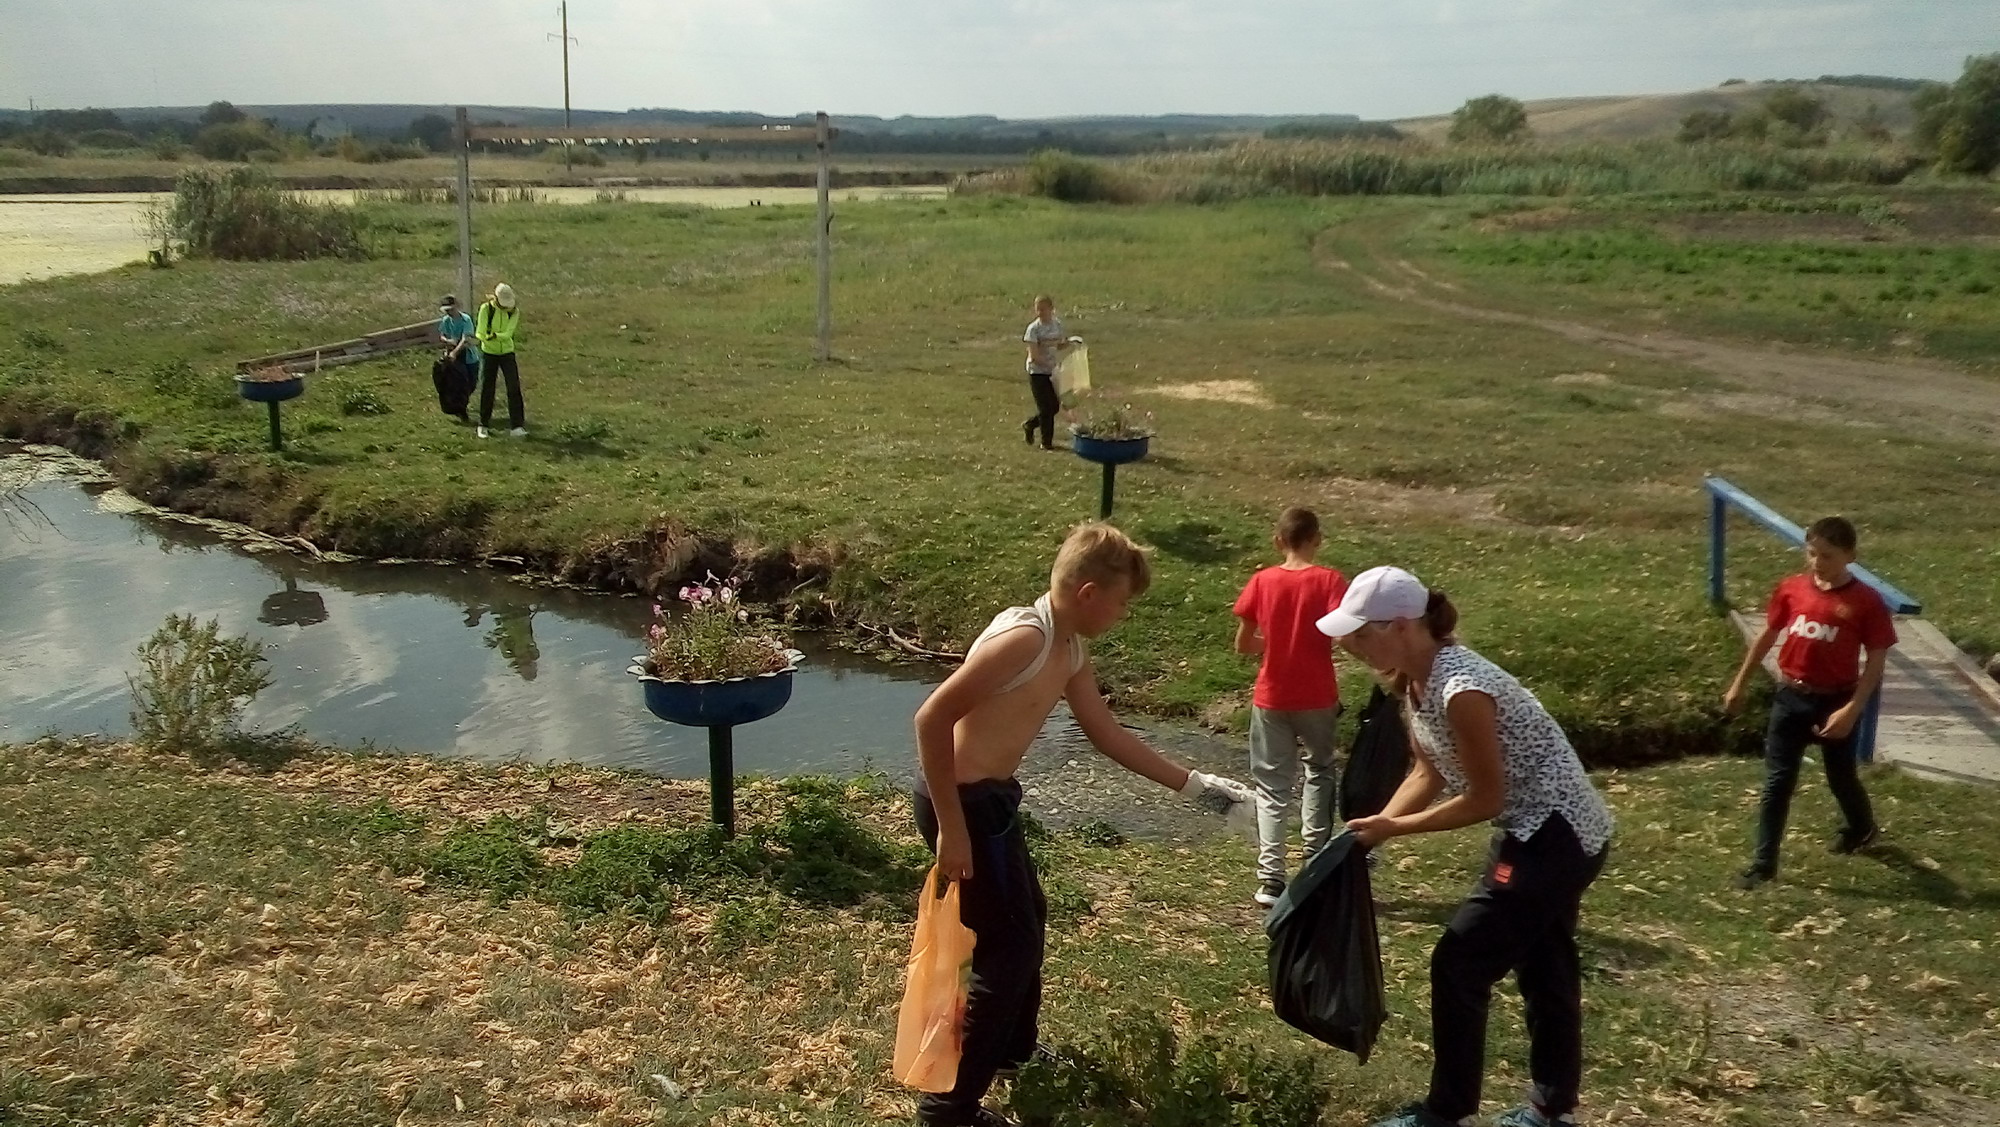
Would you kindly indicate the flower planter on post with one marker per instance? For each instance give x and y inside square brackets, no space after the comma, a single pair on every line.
[1109,453]
[271,387]
[718,706]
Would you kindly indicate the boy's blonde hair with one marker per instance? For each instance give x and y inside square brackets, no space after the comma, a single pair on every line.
[1096,552]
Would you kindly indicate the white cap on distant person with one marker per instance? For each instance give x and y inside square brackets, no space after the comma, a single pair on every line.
[1380,594]
[503,295]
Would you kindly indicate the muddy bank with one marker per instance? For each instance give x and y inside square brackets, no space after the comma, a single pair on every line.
[854,178]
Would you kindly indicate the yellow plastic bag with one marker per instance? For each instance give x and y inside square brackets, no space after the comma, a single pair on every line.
[930,1028]
[1073,370]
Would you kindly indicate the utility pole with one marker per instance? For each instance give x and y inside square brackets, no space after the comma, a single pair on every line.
[565,46]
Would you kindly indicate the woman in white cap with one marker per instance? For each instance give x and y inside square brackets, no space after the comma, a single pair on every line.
[1487,747]
[494,329]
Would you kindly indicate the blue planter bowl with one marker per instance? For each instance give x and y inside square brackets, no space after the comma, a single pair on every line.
[271,391]
[1109,451]
[711,704]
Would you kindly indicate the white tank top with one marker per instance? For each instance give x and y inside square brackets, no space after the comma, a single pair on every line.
[1042,618]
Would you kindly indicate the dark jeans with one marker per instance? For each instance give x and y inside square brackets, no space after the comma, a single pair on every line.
[491,367]
[1521,917]
[1004,907]
[1794,716]
[1047,403]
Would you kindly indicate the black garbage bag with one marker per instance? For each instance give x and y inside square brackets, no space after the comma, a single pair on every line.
[1326,960]
[1378,761]
[454,380]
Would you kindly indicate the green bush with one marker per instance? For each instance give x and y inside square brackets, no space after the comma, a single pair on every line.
[193,684]
[500,856]
[40,340]
[107,139]
[581,433]
[1141,1071]
[362,401]
[1072,179]
[46,142]
[242,214]
[175,379]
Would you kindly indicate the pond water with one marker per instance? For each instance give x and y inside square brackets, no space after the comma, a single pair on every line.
[46,236]
[437,659]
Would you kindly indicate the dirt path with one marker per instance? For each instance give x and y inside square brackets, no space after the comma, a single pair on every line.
[1930,400]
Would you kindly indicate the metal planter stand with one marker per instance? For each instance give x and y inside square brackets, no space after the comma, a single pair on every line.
[1109,453]
[271,393]
[717,706]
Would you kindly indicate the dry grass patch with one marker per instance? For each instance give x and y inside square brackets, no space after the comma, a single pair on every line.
[1248,393]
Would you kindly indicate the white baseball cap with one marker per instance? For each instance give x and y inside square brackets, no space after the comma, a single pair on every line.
[1380,594]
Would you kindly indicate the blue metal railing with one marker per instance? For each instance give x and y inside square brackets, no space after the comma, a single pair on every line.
[1721,497]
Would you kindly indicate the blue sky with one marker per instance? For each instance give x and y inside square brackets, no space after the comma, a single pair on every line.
[1013,58]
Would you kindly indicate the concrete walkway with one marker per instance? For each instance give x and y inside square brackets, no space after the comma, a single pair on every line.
[1940,711]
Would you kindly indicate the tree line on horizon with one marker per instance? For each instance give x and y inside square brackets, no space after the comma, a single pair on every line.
[1957,128]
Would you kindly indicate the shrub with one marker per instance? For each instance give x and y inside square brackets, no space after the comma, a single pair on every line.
[175,379]
[1141,1071]
[193,684]
[581,433]
[1493,119]
[166,146]
[234,140]
[582,155]
[242,214]
[1072,179]
[499,856]
[107,139]
[18,158]
[362,401]
[46,142]
[41,340]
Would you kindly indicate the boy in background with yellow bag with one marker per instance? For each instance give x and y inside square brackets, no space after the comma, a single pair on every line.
[972,733]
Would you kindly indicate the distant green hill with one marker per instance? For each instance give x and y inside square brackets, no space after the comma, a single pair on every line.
[1635,116]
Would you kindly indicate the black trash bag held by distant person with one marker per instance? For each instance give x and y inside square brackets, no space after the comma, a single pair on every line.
[1378,761]
[1326,960]
[454,380]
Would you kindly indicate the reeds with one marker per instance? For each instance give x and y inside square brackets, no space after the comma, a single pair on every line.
[1369,168]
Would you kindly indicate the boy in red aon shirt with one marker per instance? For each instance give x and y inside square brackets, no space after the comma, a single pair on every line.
[1297,699]
[1827,619]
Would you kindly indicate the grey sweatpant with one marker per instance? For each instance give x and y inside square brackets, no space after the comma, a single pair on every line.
[1279,741]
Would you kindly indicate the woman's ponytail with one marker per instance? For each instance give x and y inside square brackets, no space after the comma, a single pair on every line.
[1440,617]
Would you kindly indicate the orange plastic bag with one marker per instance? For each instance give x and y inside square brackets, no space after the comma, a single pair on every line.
[931,1025]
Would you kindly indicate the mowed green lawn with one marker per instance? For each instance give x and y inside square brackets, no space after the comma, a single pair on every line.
[1562,510]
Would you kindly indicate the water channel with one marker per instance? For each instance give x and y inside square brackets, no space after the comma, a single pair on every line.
[47,236]
[442,660]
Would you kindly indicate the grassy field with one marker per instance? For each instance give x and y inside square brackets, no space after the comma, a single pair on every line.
[339,941]
[676,410]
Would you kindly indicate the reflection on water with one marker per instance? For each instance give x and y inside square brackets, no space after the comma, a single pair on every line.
[435,659]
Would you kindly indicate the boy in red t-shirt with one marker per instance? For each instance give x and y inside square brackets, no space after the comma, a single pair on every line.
[1827,619]
[1297,699]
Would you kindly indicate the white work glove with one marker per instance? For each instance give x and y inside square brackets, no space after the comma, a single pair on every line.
[1227,797]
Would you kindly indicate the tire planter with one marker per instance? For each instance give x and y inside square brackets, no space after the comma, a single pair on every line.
[718,706]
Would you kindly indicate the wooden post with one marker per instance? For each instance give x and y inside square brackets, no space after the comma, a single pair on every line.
[824,347]
[467,299]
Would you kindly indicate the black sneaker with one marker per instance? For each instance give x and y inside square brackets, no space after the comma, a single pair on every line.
[1851,842]
[1753,877]
[1028,431]
[1268,892]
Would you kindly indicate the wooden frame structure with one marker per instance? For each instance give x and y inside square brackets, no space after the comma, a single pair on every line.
[820,134]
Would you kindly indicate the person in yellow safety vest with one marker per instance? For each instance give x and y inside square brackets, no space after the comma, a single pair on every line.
[494,329]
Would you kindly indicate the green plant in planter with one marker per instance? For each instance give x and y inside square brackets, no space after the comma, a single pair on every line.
[1106,416]
[716,639]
